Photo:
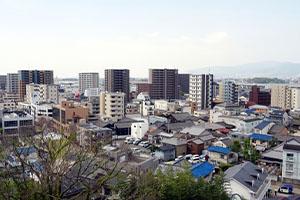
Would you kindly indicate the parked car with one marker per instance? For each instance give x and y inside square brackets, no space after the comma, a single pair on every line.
[194,160]
[287,189]
[179,158]
[188,156]
[136,142]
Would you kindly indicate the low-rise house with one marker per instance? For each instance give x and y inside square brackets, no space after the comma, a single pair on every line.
[207,139]
[264,127]
[195,146]
[248,181]
[224,142]
[218,155]
[165,152]
[180,146]
[278,129]
[260,141]
[291,161]
[271,160]
[280,117]
[203,169]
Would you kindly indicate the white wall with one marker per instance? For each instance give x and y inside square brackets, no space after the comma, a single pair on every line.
[139,129]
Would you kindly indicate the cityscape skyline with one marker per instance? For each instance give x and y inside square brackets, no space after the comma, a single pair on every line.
[137,35]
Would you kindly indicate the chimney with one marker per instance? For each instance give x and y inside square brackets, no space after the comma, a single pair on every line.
[252,183]
[258,176]
[262,170]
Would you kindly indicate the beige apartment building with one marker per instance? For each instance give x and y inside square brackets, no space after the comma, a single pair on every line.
[112,105]
[285,97]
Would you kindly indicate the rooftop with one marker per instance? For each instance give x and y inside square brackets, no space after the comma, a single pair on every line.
[202,169]
[263,125]
[248,175]
[262,137]
[218,149]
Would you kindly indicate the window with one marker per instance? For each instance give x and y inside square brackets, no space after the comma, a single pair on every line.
[289,167]
[290,157]
[222,156]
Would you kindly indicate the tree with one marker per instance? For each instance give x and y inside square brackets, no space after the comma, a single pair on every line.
[60,166]
[171,185]
[236,147]
[249,152]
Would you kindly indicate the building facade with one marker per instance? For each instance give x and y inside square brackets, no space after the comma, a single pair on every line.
[88,80]
[164,83]
[3,82]
[68,113]
[184,83]
[12,83]
[36,93]
[259,97]
[112,105]
[117,80]
[281,96]
[229,92]
[201,90]
[26,77]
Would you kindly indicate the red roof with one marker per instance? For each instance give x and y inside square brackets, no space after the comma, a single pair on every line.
[224,130]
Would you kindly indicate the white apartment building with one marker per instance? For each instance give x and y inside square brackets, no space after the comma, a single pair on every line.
[92,92]
[201,90]
[36,93]
[12,83]
[112,105]
[291,161]
[88,80]
[15,123]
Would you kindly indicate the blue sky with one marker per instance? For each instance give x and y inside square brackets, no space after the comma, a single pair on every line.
[71,36]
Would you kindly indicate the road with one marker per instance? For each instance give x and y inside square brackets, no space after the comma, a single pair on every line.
[295,191]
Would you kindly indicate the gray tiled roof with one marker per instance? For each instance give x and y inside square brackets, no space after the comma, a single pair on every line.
[245,173]
[173,141]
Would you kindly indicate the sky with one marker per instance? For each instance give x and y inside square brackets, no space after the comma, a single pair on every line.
[72,36]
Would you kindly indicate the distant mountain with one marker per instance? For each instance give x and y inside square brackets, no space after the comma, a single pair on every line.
[251,70]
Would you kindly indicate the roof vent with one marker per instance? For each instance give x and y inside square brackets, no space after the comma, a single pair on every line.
[262,170]
[258,176]
[252,183]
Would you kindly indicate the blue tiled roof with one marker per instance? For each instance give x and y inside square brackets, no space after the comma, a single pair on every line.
[262,125]
[11,159]
[26,150]
[202,169]
[219,149]
[249,111]
[37,165]
[262,137]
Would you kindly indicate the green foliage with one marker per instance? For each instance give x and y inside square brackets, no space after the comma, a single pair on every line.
[273,141]
[224,166]
[249,152]
[236,147]
[262,80]
[171,185]
[182,93]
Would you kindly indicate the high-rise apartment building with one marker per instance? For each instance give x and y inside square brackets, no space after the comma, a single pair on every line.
[295,98]
[281,96]
[88,80]
[112,105]
[229,92]
[37,93]
[3,82]
[33,76]
[184,83]
[117,80]
[164,83]
[12,83]
[259,97]
[201,90]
